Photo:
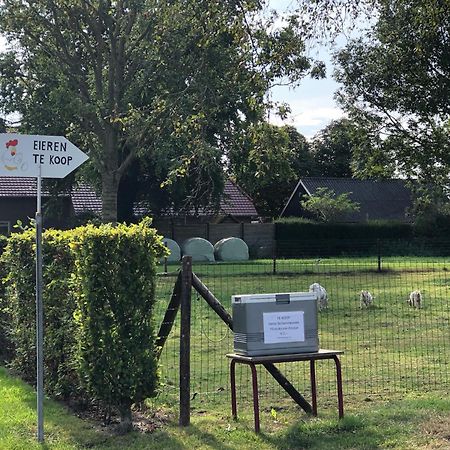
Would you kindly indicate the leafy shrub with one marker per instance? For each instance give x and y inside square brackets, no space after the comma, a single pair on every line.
[4,319]
[98,296]
[59,307]
[115,278]
[326,206]
[301,230]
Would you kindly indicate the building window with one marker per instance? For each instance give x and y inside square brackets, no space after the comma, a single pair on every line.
[5,228]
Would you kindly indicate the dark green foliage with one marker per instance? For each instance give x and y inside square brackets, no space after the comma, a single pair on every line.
[292,229]
[98,298]
[267,165]
[302,237]
[168,84]
[59,306]
[332,149]
[4,346]
[115,279]
[395,82]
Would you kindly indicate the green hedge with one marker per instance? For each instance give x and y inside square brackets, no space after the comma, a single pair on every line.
[4,341]
[98,297]
[301,230]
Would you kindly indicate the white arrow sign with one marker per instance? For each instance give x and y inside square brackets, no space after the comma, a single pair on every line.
[22,154]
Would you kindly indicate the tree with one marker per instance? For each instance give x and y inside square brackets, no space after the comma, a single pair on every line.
[170,82]
[332,149]
[326,206]
[395,86]
[268,163]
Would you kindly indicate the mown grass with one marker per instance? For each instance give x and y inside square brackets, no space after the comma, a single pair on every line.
[414,422]
[395,367]
[390,348]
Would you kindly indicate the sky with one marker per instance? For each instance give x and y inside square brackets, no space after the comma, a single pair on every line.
[312,104]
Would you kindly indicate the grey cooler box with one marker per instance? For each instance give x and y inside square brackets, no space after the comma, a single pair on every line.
[272,324]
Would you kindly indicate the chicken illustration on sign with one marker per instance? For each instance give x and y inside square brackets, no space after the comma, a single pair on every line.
[11,158]
[29,155]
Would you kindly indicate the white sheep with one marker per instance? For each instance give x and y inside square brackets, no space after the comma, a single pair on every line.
[365,299]
[322,295]
[415,299]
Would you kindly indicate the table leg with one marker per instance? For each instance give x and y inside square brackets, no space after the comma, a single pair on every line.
[312,371]
[339,387]
[233,389]
[255,396]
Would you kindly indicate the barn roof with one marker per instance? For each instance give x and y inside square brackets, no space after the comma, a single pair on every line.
[378,199]
[84,198]
[234,202]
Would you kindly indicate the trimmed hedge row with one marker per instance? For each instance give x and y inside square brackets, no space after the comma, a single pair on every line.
[301,230]
[4,342]
[99,291]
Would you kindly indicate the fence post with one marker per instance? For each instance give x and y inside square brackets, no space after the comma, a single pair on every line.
[165,259]
[274,257]
[185,341]
[379,255]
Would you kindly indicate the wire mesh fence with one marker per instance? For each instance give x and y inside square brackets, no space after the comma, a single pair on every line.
[391,348]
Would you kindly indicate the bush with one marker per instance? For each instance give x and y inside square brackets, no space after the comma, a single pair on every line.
[59,338]
[301,230]
[98,296]
[4,319]
[115,275]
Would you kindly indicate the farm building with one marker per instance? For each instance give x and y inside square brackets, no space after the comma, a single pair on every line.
[378,200]
[18,202]
[235,207]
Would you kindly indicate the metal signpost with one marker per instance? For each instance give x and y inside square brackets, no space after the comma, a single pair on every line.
[39,157]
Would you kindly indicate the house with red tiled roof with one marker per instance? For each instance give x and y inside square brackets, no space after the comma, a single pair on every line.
[235,206]
[18,197]
[18,202]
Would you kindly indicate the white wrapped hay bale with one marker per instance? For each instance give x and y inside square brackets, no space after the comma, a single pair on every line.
[231,249]
[200,249]
[174,248]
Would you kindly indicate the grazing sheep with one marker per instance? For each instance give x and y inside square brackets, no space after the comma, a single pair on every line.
[415,299]
[365,299]
[322,295]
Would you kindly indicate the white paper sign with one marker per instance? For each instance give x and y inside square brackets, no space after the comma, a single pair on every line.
[282,327]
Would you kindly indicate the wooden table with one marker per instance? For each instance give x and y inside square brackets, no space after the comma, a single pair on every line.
[253,361]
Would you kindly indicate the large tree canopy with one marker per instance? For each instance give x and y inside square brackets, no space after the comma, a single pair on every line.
[396,82]
[268,162]
[167,83]
[332,149]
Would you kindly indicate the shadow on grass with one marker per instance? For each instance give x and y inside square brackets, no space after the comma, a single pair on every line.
[62,429]
[351,432]
[207,438]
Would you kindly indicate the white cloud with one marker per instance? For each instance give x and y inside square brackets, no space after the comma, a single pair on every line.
[309,115]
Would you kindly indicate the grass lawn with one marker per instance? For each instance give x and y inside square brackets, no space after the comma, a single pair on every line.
[409,423]
[392,353]
[390,348]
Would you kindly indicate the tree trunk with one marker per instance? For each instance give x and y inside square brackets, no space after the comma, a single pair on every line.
[126,422]
[110,187]
[110,175]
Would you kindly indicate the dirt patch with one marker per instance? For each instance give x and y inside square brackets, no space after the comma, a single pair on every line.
[438,428]
[145,420]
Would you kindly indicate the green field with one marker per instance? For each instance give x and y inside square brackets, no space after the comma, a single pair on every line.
[412,423]
[390,348]
[395,368]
